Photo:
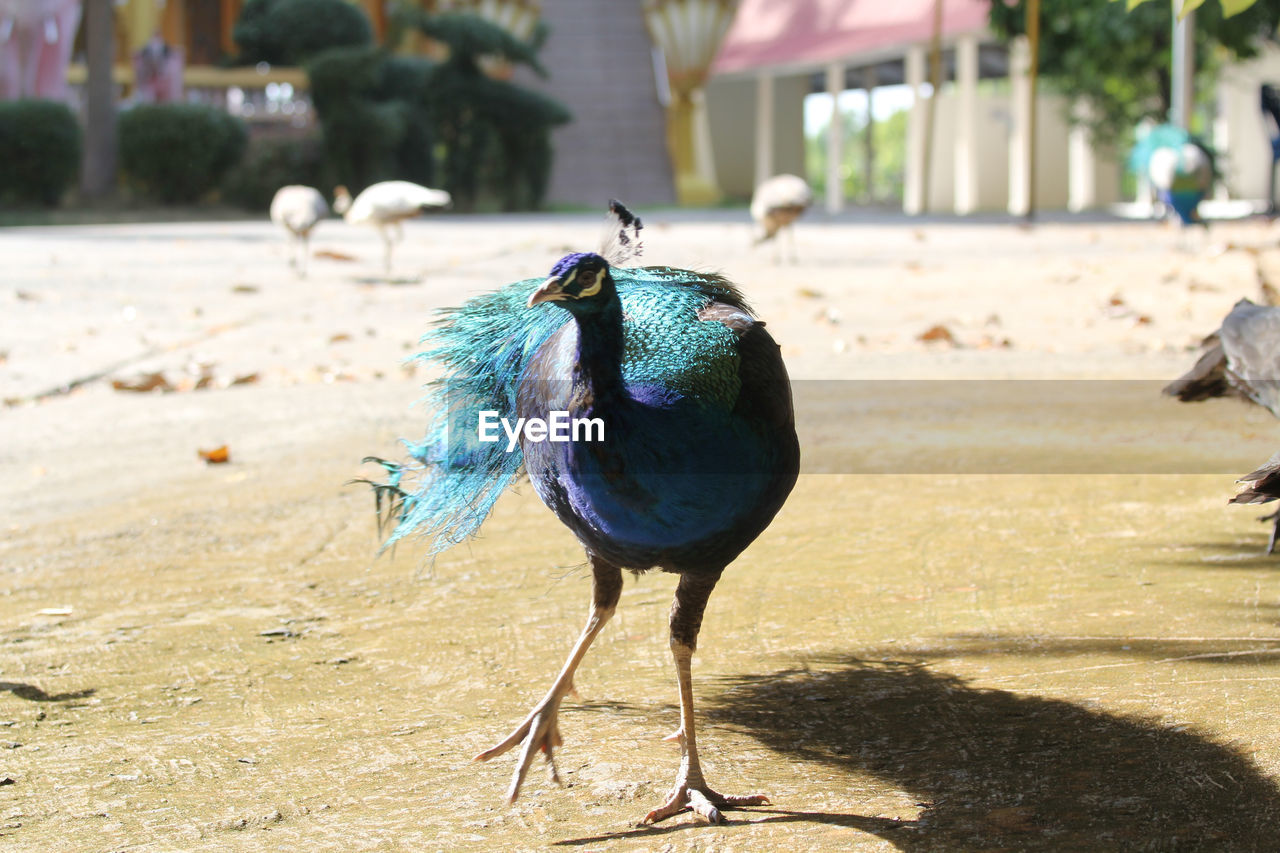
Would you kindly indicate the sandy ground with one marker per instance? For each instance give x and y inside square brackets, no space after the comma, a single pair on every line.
[1006,608]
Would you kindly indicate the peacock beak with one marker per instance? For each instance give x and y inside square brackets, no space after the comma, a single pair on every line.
[550,290]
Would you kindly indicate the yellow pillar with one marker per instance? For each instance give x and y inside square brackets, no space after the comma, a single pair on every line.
[141,20]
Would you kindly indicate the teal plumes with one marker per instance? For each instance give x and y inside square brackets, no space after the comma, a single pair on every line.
[1162,136]
[1179,167]
[452,480]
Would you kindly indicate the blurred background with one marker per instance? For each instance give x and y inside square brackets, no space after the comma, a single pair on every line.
[526,104]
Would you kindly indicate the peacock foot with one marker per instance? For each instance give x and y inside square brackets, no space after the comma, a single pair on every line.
[540,732]
[702,801]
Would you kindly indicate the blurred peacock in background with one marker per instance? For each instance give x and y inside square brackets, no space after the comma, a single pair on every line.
[688,447]
[1180,168]
[1242,359]
[777,203]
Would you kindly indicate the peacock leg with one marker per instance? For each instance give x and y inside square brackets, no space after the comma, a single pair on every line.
[540,731]
[691,790]
[386,249]
[1275,529]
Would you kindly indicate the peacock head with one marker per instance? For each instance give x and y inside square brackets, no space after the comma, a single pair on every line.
[580,282]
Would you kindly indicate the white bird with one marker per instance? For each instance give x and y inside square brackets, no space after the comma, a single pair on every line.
[777,203]
[386,205]
[297,209]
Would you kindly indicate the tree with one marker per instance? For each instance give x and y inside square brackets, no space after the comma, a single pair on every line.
[889,136]
[493,131]
[289,32]
[1118,59]
[1229,7]
[385,116]
[99,175]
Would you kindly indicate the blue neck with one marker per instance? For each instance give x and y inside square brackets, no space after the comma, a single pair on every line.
[599,364]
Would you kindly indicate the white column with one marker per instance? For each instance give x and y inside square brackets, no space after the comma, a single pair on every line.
[869,138]
[966,143]
[1019,132]
[764,127]
[1082,166]
[913,183]
[703,154]
[1184,68]
[835,140]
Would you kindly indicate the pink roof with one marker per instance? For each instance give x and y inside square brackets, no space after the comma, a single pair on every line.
[772,33]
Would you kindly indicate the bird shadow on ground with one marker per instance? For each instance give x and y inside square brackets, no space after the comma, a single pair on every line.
[34,694]
[1229,554]
[993,769]
[1130,652]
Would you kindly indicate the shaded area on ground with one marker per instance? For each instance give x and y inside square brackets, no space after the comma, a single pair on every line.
[1000,770]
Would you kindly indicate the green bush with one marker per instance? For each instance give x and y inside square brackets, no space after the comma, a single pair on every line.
[178,153]
[370,108]
[39,151]
[387,117]
[270,164]
[289,32]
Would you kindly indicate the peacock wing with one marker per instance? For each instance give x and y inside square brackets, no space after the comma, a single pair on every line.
[1251,342]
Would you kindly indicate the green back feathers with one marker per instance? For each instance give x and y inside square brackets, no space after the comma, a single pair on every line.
[667,345]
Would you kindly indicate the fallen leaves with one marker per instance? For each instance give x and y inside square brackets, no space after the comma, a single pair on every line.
[1117,309]
[941,334]
[216,456]
[144,383]
[938,333]
[199,376]
[331,255]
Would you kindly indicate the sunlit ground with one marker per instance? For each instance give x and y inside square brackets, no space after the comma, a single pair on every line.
[942,643]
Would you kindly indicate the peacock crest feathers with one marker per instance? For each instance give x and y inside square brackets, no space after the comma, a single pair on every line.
[620,244]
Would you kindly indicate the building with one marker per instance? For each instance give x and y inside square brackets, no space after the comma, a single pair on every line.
[777,54]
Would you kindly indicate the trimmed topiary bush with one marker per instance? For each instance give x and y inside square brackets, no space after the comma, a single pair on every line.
[39,151]
[371,115]
[445,124]
[178,153]
[272,163]
[289,32]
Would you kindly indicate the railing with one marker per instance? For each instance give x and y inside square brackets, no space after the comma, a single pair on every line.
[267,95]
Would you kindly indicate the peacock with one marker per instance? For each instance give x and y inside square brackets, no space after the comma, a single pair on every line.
[298,209]
[687,447]
[1260,487]
[385,205]
[777,203]
[1242,359]
[1179,166]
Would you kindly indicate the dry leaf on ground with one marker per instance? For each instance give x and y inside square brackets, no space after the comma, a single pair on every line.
[217,456]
